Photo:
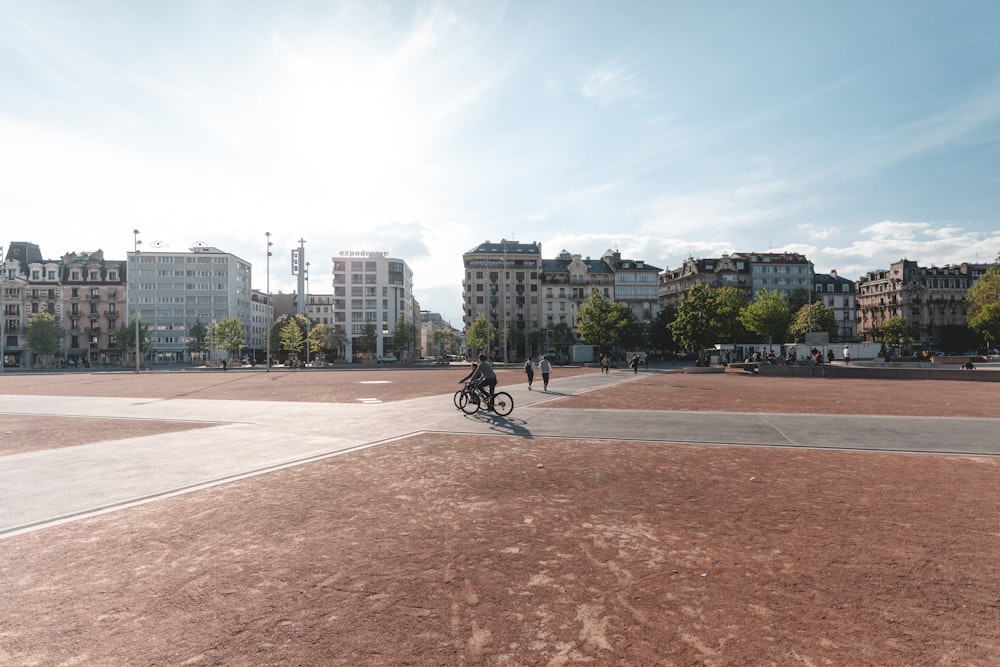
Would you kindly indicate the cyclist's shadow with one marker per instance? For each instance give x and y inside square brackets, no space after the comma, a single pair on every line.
[504,425]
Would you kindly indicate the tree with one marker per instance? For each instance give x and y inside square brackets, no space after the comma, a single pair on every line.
[291,338]
[319,336]
[696,325]
[229,335]
[125,337]
[983,305]
[368,338]
[444,340]
[301,321]
[480,335]
[43,334]
[729,303]
[986,323]
[560,336]
[604,323]
[661,336]
[814,317]
[404,336]
[898,332]
[768,315]
[336,340]
[198,337]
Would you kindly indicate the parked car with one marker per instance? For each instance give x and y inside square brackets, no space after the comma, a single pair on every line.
[387,359]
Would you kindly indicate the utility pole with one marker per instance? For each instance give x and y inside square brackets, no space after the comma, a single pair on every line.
[270,324]
[135,246]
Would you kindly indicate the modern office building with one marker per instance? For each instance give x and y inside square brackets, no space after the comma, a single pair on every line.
[175,290]
[372,292]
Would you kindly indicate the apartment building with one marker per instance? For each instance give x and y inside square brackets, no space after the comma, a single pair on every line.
[172,291]
[92,309]
[751,272]
[929,297]
[370,288]
[83,291]
[567,282]
[838,294]
[635,284]
[501,283]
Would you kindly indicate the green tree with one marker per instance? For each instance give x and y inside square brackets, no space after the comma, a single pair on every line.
[319,337]
[229,335]
[198,337]
[561,337]
[769,315]
[536,340]
[480,336]
[604,323]
[898,332]
[368,338]
[279,325]
[983,305]
[661,336]
[43,334]
[291,339]
[696,325]
[336,341]
[125,337]
[814,317]
[404,336]
[729,303]
[444,341]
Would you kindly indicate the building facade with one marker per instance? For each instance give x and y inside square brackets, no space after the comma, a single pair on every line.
[567,282]
[931,298]
[173,291]
[635,284]
[751,272]
[838,294]
[372,292]
[501,283]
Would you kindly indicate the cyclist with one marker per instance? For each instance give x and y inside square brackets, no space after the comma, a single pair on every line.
[483,375]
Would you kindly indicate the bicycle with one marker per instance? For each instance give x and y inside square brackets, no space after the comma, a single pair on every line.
[472,399]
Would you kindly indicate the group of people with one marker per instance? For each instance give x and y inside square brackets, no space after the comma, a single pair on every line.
[482,375]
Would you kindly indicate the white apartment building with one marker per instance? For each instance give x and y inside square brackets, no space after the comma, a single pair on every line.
[175,290]
[370,288]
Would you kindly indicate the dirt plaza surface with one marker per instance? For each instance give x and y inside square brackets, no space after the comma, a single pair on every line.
[464,549]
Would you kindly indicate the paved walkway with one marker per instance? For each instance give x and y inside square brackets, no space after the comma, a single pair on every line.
[52,486]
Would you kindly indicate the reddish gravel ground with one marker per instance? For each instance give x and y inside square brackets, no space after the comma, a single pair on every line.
[488,550]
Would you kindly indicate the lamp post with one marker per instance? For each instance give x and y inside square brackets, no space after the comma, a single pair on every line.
[135,245]
[305,295]
[267,332]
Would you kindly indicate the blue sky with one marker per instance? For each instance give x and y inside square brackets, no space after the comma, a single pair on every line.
[857,133]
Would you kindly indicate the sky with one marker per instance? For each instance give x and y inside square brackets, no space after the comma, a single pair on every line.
[857,133]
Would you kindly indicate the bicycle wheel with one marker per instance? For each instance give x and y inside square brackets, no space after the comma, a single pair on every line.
[470,403]
[458,398]
[502,403]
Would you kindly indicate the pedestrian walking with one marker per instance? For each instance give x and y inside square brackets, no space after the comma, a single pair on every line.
[605,364]
[634,363]
[529,370]
[847,355]
[545,366]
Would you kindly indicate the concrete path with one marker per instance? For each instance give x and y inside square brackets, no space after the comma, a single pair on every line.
[44,488]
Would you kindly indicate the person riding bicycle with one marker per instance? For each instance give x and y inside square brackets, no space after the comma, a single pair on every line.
[482,376]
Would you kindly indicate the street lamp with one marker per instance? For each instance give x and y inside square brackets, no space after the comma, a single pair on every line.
[135,245]
[267,332]
[305,295]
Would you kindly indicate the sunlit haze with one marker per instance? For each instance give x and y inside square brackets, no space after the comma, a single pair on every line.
[856,133]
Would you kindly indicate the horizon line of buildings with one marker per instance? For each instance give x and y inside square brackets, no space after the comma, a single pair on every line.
[508,282]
